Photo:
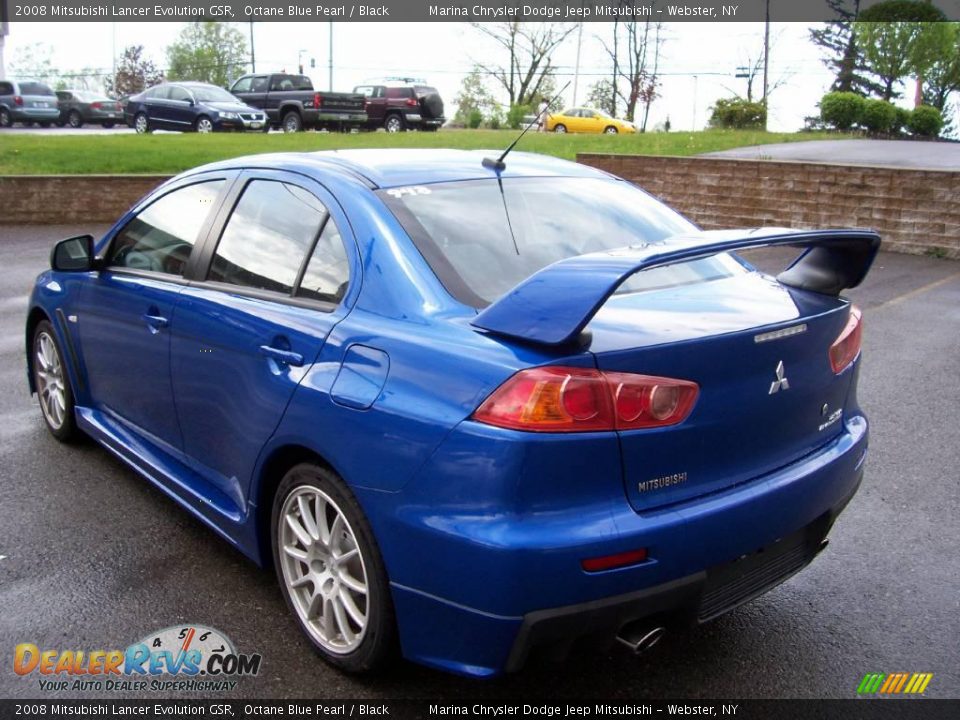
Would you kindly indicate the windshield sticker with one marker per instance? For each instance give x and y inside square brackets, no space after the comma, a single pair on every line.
[412,190]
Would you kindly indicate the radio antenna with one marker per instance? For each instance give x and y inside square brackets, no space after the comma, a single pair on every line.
[498,163]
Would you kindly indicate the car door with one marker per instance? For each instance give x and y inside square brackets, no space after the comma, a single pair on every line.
[179,110]
[155,104]
[124,313]
[248,328]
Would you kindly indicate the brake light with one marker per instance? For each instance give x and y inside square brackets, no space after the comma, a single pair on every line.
[412,102]
[567,399]
[17,100]
[317,101]
[96,105]
[846,347]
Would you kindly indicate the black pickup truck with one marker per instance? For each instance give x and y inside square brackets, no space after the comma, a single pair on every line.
[292,104]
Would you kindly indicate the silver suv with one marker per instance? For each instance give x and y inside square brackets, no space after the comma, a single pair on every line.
[27,101]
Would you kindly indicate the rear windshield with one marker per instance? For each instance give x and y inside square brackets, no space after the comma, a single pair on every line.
[34,88]
[211,94]
[423,91]
[482,243]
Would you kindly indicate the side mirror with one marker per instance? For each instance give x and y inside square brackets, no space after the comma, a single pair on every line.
[73,254]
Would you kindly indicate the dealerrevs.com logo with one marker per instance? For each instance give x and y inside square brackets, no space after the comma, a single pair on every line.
[179,658]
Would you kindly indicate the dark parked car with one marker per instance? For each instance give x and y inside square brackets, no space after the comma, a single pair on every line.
[292,104]
[27,102]
[402,106]
[190,106]
[82,106]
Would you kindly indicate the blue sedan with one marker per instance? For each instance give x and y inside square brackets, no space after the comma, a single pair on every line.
[469,410]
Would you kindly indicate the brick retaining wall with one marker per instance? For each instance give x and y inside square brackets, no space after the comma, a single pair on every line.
[70,199]
[915,211]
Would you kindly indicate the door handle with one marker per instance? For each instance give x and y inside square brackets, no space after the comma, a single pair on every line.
[283,356]
[156,322]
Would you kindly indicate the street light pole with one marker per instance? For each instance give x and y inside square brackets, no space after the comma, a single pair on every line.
[576,72]
[253,54]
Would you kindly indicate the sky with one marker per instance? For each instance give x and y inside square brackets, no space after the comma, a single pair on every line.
[699,61]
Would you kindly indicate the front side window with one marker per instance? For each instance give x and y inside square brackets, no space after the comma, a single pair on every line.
[242,85]
[178,93]
[161,238]
[273,227]
[482,240]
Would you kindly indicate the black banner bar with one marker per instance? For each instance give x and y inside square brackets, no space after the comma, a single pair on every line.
[854,709]
[435,10]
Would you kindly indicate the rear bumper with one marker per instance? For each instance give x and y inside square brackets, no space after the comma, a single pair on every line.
[24,114]
[499,586]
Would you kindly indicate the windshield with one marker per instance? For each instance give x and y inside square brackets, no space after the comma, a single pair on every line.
[212,94]
[481,243]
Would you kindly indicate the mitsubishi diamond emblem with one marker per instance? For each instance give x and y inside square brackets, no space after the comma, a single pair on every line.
[781,383]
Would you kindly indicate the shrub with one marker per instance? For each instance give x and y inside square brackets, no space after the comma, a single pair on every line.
[925,121]
[515,115]
[474,119]
[903,119]
[878,116]
[841,110]
[737,113]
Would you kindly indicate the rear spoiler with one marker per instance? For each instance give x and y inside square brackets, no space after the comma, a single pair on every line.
[554,305]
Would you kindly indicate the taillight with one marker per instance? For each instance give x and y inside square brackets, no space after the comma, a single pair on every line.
[846,347]
[96,105]
[412,102]
[17,100]
[317,101]
[566,399]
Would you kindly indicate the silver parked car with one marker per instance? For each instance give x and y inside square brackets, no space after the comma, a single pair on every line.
[82,106]
[27,101]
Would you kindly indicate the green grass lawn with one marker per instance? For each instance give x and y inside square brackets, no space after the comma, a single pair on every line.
[39,153]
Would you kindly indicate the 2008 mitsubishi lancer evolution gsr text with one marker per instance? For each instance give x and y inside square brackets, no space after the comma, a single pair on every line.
[468,410]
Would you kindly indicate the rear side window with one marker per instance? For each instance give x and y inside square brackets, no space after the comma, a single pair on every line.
[272,229]
[35,88]
[259,84]
[162,236]
[399,92]
[327,275]
[6,88]
[290,82]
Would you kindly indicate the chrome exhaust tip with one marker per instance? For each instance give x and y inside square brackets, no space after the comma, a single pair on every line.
[640,642]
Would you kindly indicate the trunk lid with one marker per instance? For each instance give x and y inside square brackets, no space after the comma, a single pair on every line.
[767,398]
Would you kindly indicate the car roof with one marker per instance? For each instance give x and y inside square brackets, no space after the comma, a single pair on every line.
[408,166]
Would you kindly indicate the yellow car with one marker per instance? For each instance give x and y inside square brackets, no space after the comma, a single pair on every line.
[587,120]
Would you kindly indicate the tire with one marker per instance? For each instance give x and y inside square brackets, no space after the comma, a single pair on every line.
[108,125]
[292,122]
[393,123]
[351,629]
[74,120]
[611,130]
[6,121]
[141,123]
[53,383]
[560,128]
[203,125]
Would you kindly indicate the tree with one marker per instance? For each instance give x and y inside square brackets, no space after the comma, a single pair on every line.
[843,53]
[32,62]
[134,73]
[632,57]
[212,52]
[529,48]
[473,97]
[943,75]
[600,95]
[900,38]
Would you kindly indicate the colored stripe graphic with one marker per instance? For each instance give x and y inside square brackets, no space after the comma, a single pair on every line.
[894,683]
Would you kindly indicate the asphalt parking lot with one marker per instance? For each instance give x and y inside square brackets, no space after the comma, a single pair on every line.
[92,557]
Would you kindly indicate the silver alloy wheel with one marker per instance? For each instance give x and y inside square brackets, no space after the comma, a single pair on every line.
[291,123]
[560,128]
[323,569]
[611,130]
[204,125]
[141,124]
[48,373]
[5,119]
[393,124]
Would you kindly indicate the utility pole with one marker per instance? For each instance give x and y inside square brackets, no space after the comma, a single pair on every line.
[330,61]
[4,29]
[576,72]
[766,58]
[253,54]
[694,103]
